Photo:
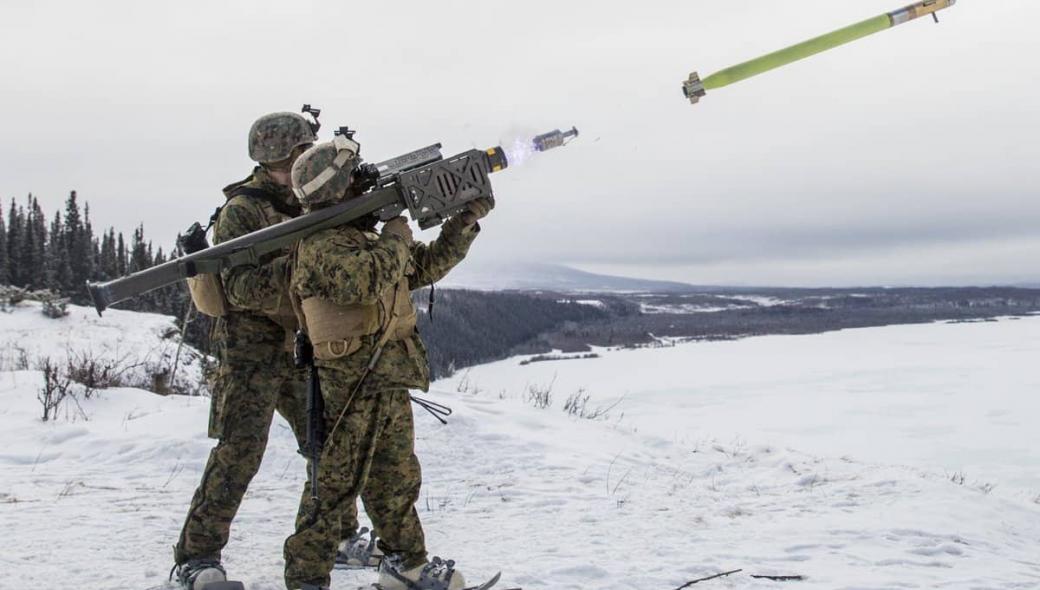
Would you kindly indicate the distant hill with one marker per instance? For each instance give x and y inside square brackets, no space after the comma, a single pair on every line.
[552,277]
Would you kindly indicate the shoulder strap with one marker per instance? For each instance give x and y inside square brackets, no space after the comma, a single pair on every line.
[294,300]
[257,193]
[213,218]
[227,190]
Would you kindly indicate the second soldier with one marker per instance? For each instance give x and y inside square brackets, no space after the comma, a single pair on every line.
[353,288]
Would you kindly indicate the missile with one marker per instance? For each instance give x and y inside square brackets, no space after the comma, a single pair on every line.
[520,150]
[553,139]
[694,88]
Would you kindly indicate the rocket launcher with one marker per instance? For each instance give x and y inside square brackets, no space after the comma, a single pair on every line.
[427,186]
[694,88]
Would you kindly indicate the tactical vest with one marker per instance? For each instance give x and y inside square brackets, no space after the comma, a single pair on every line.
[336,330]
[207,290]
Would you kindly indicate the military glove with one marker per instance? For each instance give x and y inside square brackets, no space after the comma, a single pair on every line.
[398,226]
[476,209]
[280,271]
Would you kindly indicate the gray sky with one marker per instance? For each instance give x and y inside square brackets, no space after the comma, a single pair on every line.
[906,158]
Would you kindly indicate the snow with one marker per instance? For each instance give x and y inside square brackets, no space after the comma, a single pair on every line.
[140,344]
[688,308]
[694,472]
[765,301]
[682,308]
[589,302]
[951,397]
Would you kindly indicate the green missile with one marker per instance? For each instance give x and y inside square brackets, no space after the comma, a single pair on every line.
[694,88]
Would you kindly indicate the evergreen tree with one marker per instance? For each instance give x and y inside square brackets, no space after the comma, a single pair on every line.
[87,257]
[30,259]
[78,242]
[58,271]
[122,260]
[108,264]
[4,278]
[140,254]
[15,242]
[63,254]
[39,246]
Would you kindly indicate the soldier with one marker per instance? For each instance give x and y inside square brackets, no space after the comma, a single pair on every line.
[353,287]
[252,337]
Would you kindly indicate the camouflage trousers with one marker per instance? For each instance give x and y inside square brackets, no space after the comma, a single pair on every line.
[373,448]
[245,397]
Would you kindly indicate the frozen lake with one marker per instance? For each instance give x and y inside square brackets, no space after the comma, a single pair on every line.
[961,398]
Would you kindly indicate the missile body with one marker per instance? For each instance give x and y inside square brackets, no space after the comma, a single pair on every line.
[694,88]
[553,139]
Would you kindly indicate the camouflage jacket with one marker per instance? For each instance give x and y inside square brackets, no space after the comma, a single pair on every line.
[348,266]
[256,292]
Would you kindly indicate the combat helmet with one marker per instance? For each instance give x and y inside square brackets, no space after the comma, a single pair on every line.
[273,137]
[322,174]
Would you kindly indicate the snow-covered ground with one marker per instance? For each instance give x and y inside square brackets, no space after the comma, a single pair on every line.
[695,472]
[138,348]
[953,397]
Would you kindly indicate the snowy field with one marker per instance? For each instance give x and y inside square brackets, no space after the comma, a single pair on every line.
[959,398]
[826,456]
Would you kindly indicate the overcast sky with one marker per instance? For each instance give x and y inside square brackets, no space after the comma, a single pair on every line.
[910,157]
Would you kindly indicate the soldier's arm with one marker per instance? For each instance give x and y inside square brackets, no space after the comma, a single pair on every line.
[252,287]
[345,268]
[433,261]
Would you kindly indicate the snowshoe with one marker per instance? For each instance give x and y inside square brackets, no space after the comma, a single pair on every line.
[359,551]
[436,574]
[204,574]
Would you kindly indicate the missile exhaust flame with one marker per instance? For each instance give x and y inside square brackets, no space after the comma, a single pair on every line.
[521,149]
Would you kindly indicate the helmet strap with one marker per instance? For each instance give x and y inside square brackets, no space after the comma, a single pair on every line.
[346,150]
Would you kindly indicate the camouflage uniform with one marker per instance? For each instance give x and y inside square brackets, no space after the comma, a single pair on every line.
[373,446]
[256,374]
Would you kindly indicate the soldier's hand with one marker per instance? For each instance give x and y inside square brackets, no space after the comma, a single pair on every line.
[281,271]
[476,209]
[398,226]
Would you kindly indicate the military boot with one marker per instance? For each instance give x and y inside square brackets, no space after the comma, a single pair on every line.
[437,574]
[194,574]
[359,551]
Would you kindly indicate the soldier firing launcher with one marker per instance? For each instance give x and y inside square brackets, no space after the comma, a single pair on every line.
[423,183]
[694,88]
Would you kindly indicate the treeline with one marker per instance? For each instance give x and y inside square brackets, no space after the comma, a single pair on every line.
[60,253]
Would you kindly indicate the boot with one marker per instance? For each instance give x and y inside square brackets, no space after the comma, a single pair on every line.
[433,575]
[194,574]
[359,551]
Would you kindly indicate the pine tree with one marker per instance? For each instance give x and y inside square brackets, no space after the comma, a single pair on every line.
[108,264]
[4,278]
[78,243]
[122,261]
[39,246]
[30,259]
[140,254]
[15,241]
[87,258]
[58,271]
